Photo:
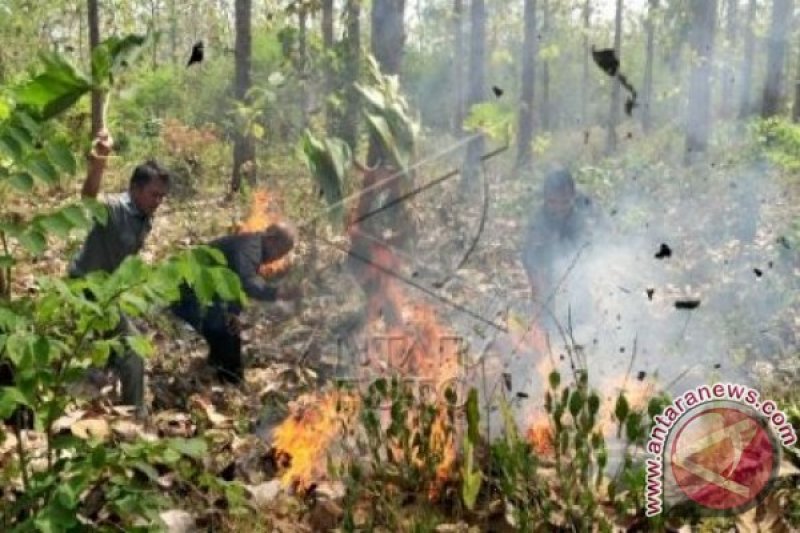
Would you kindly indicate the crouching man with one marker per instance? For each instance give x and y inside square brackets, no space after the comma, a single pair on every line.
[218,323]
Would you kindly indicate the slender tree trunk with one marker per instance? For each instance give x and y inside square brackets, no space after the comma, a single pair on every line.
[94,40]
[746,68]
[698,120]
[327,42]
[796,108]
[777,37]
[81,54]
[529,49]
[545,66]
[729,79]
[613,115]
[154,28]
[458,67]
[302,22]
[244,155]
[477,86]
[387,42]
[353,37]
[647,85]
[173,33]
[388,34]
[587,13]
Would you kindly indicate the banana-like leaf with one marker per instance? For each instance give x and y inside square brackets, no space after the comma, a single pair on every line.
[328,160]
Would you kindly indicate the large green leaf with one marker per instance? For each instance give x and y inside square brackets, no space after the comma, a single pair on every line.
[55,223]
[141,345]
[21,135]
[10,147]
[22,181]
[380,128]
[41,168]
[388,116]
[54,90]
[61,156]
[328,161]
[113,54]
[227,284]
[10,398]
[33,240]
[75,216]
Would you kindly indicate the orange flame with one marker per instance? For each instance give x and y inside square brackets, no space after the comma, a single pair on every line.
[540,435]
[263,213]
[307,433]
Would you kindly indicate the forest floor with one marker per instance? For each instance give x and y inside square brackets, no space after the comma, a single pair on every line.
[292,350]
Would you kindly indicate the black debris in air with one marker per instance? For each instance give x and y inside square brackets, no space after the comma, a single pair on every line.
[608,62]
[650,293]
[197,54]
[498,92]
[758,272]
[687,304]
[663,252]
[641,375]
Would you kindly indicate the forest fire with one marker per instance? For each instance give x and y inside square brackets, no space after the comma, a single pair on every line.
[263,212]
[415,348]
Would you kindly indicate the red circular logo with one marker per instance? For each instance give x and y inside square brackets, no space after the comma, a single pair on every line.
[723,457]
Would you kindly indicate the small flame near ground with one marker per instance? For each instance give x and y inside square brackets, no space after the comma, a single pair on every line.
[540,430]
[305,435]
[263,212]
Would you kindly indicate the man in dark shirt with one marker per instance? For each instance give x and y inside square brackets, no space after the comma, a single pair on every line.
[218,323]
[106,247]
[556,233]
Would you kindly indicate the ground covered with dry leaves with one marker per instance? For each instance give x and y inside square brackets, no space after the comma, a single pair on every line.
[294,350]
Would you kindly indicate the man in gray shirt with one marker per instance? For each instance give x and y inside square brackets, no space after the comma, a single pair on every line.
[106,247]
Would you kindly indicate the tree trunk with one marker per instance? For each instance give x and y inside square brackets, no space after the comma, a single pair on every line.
[776,41]
[94,40]
[173,33]
[587,12]
[244,162]
[327,42]
[477,86]
[647,85]
[154,28]
[729,76]
[457,82]
[302,22]
[796,108]
[746,68]
[613,115]
[388,34]
[529,49]
[701,37]
[351,69]
[545,66]
[387,41]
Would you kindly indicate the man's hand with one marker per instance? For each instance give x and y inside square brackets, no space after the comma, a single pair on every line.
[101,148]
[102,145]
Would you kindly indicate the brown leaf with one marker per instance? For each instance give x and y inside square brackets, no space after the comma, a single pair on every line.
[178,521]
[91,428]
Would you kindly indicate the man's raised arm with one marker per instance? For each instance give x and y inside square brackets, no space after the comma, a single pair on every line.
[101,148]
